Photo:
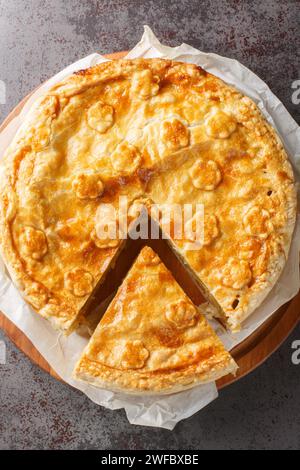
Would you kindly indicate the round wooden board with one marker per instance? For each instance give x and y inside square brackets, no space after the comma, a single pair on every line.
[249,354]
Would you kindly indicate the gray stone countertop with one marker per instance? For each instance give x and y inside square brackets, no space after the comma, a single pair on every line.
[37,39]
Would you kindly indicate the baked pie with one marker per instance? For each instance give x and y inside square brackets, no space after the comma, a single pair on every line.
[152,339]
[152,129]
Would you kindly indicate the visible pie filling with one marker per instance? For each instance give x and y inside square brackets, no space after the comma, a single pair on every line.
[150,130]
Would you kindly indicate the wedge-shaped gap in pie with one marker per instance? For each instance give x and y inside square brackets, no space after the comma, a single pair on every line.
[183,273]
[97,296]
[164,245]
[152,339]
[107,287]
[159,242]
[104,292]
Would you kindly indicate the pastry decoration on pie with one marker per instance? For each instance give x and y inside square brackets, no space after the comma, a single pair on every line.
[152,339]
[150,129]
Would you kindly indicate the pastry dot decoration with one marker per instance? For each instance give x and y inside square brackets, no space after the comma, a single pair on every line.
[203,228]
[107,231]
[182,314]
[220,125]
[249,248]
[174,134]
[236,273]
[134,355]
[257,222]
[100,117]
[126,158]
[37,295]
[205,175]
[88,186]
[33,243]
[110,240]
[79,282]
[144,85]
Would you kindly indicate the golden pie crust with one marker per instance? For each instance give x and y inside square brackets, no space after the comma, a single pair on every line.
[152,339]
[145,128]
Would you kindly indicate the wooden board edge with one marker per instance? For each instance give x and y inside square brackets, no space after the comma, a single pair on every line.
[275,332]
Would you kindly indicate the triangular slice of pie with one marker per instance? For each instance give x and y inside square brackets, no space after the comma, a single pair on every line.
[152,339]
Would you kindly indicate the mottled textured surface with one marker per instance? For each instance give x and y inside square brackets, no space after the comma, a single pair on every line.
[37,39]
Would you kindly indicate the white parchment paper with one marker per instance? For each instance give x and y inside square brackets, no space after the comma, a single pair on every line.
[61,352]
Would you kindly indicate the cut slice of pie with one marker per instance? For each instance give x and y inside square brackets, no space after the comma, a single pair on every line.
[150,129]
[152,339]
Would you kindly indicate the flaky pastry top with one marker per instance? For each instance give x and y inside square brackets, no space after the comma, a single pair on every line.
[152,339]
[154,129]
